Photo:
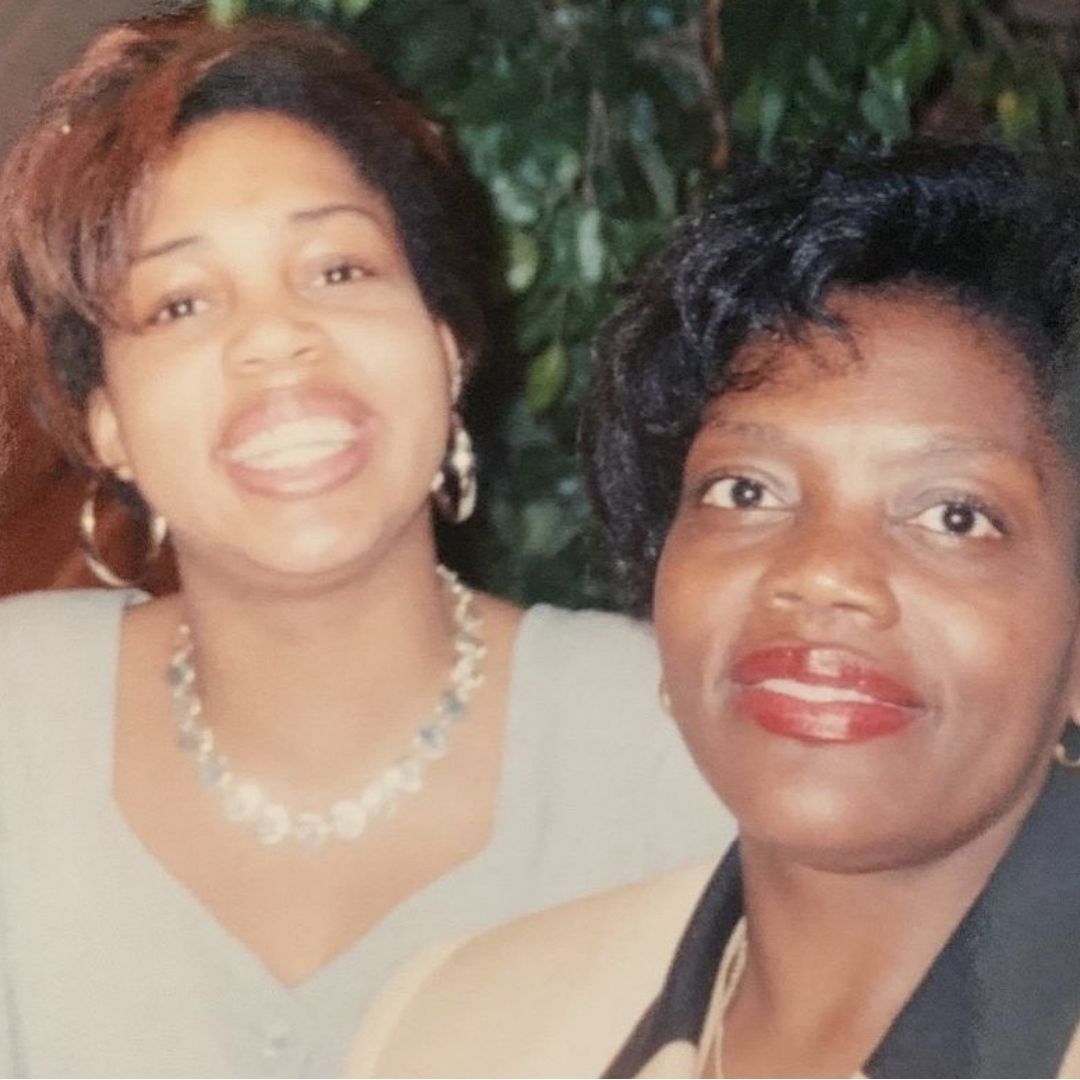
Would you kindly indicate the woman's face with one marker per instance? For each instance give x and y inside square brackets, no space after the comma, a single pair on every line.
[867,603]
[282,395]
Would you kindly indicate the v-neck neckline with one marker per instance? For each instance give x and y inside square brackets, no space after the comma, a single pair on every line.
[245,959]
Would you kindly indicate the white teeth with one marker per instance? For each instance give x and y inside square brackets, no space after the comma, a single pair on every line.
[294,443]
[294,457]
[811,692]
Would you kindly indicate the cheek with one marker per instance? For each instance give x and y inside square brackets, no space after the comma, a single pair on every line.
[402,366]
[415,407]
[967,630]
[701,601]
[996,660]
[163,405]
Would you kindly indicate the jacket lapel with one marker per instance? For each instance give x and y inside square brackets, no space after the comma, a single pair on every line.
[1003,996]
[670,1029]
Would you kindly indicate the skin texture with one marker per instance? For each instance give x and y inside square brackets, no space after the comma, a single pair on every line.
[894,497]
[249,283]
[269,276]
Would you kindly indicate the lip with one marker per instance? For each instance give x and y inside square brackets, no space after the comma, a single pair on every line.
[328,464]
[785,689]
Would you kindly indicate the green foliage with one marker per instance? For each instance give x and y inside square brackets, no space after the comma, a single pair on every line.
[594,123]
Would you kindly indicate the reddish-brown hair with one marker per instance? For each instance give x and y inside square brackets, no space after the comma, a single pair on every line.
[71,188]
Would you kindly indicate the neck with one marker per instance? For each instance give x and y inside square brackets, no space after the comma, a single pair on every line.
[304,684]
[832,957]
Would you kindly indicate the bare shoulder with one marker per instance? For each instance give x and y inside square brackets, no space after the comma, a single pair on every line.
[551,994]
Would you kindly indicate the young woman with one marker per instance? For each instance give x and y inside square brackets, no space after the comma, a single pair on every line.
[244,274]
[833,438]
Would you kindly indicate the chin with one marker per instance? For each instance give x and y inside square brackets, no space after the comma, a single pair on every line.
[314,556]
[829,829]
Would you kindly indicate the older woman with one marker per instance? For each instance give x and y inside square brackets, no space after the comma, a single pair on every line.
[245,274]
[834,441]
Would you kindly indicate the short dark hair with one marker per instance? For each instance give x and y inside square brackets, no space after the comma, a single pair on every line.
[70,185]
[975,225]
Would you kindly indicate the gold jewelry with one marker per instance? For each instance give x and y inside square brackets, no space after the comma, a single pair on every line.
[454,486]
[1061,754]
[92,555]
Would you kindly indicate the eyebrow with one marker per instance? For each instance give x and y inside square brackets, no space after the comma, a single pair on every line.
[320,212]
[947,445]
[939,445]
[302,217]
[942,446]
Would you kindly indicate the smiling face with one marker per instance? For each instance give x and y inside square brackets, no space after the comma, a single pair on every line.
[867,604]
[280,392]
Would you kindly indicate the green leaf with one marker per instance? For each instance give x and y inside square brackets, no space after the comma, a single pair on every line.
[226,12]
[512,201]
[523,258]
[822,81]
[546,529]
[644,129]
[746,108]
[354,8]
[773,104]
[546,378]
[1018,114]
[927,50]
[916,58]
[590,245]
[884,107]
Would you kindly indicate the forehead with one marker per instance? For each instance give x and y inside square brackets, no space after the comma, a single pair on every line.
[906,360]
[244,162]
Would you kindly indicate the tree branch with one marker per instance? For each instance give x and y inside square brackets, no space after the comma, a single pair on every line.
[712,47]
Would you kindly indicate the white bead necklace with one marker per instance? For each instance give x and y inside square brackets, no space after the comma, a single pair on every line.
[243,801]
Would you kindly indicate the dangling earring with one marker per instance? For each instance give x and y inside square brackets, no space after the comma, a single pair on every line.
[454,486]
[92,555]
[1061,753]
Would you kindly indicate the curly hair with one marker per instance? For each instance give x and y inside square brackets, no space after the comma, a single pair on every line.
[70,191]
[974,225]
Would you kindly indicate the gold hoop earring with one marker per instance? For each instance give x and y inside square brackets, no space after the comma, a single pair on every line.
[1061,754]
[92,555]
[454,486]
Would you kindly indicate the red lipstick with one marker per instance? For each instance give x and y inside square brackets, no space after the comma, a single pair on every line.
[821,694]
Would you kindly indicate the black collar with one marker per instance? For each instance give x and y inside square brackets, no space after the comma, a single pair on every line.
[1002,998]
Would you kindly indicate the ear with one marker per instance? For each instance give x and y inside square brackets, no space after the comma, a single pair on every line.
[455,362]
[104,432]
[1070,701]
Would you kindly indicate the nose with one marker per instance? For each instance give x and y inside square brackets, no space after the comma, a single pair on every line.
[272,335]
[831,567]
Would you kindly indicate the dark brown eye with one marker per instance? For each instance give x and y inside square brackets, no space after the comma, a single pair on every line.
[739,493]
[958,518]
[342,274]
[180,307]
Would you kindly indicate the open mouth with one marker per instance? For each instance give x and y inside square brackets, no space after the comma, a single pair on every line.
[294,444]
[298,442]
